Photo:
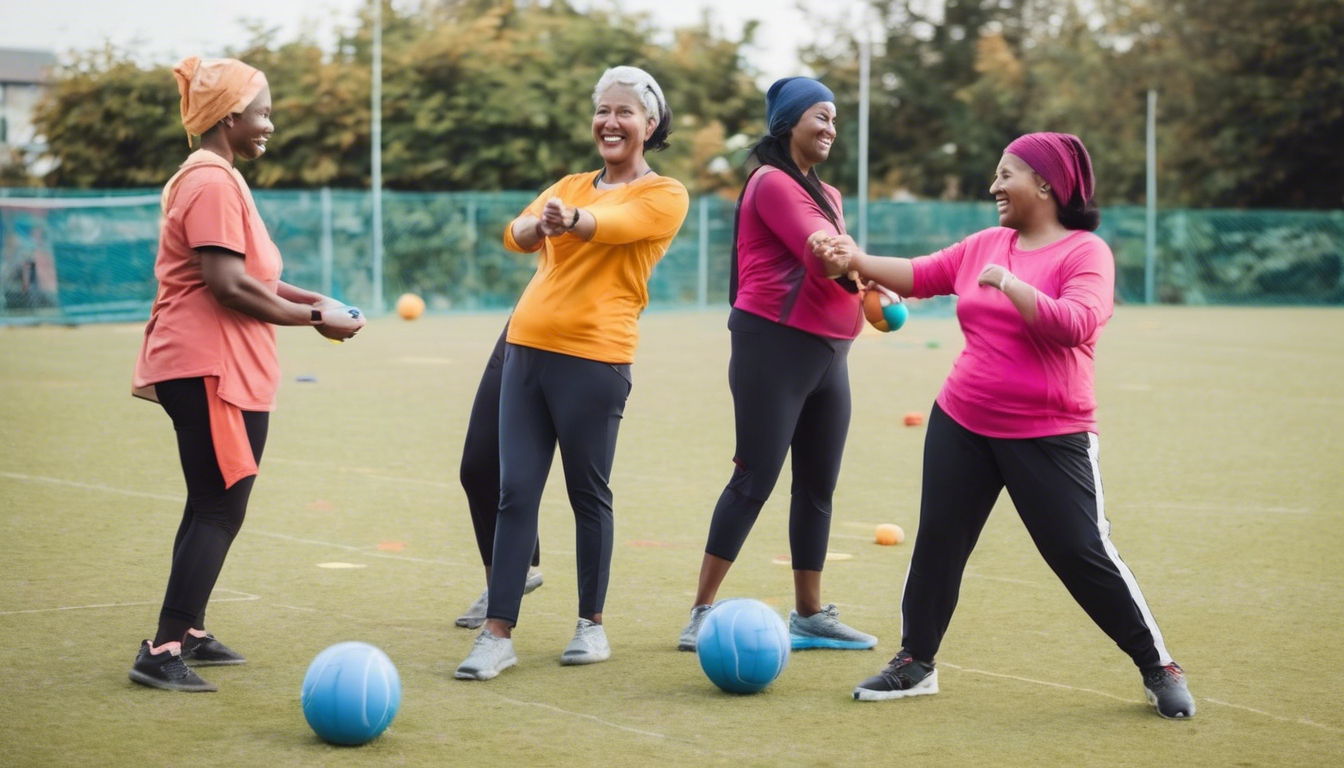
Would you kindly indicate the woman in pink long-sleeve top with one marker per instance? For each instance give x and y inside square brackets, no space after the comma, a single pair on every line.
[1018,411]
[792,323]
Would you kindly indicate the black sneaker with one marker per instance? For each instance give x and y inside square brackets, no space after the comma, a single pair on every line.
[167,671]
[208,652]
[904,676]
[1166,690]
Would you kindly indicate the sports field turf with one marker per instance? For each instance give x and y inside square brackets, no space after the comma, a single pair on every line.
[1224,476]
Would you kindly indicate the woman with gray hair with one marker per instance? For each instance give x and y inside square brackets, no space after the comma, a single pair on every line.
[567,356]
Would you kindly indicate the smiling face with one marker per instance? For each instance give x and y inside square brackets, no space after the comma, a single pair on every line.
[1020,194]
[620,126]
[248,131]
[811,138]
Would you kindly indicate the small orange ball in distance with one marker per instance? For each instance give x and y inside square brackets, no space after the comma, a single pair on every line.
[914,419]
[410,306]
[888,534]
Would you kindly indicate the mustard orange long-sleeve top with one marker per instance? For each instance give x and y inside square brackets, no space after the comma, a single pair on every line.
[586,297]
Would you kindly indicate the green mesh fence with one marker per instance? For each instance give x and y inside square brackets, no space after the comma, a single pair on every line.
[77,258]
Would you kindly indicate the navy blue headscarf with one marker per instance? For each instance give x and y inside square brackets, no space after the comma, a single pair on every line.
[788,99]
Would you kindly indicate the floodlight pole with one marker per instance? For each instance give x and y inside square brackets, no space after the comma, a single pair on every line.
[865,65]
[376,158]
[1150,238]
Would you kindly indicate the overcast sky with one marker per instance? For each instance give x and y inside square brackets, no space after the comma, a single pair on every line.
[165,31]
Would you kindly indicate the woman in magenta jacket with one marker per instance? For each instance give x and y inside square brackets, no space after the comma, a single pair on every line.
[792,323]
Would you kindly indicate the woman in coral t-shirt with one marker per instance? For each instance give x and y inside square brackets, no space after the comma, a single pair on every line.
[209,355]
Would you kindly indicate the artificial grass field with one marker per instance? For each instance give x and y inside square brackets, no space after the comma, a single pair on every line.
[1224,479]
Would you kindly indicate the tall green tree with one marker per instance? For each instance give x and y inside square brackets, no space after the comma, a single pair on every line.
[476,96]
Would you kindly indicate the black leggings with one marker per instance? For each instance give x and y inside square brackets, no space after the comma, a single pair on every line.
[212,515]
[545,398]
[480,457]
[1055,483]
[790,391]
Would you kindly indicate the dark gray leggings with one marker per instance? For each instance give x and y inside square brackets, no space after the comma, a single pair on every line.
[790,392]
[479,471]
[548,398]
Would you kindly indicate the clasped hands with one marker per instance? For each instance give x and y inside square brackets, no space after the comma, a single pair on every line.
[339,322]
[556,218]
[837,252]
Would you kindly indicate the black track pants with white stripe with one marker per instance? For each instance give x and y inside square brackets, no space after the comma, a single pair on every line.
[1055,483]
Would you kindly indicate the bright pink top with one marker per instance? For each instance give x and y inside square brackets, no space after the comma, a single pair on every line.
[778,277]
[1016,380]
[190,333]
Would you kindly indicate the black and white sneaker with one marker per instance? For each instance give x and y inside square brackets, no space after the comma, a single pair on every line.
[1166,690]
[208,652]
[165,670]
[904,676]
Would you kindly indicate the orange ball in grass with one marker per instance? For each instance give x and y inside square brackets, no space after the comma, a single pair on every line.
[888,534]
[914,419]
[410,306]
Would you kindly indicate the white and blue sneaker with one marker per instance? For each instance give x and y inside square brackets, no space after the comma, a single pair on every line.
[589,645]
[825,630]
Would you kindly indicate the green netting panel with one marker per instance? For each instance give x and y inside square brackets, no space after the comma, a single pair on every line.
[71,257]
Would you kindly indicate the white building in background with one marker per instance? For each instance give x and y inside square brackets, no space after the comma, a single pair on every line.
[24,75]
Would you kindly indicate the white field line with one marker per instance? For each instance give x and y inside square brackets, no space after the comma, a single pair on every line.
[1280,718]
[593,718]
[364,551]
[1242,509]
[89,486]
[244,597]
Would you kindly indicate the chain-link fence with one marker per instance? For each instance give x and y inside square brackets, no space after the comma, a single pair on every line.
[75,258]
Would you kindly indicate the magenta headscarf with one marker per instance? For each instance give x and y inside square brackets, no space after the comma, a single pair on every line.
[1060,159]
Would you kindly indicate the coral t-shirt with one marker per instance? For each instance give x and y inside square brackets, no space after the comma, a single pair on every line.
[190,334]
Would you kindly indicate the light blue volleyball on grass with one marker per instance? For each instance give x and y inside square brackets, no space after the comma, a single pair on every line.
[350,693]
[743,645]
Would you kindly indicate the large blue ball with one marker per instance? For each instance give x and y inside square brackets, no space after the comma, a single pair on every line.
[743,645]
[351,693]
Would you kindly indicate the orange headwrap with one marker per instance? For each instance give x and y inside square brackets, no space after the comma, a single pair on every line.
[214,88]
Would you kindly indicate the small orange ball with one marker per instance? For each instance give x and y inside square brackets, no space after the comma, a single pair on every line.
[410,306]
[914,419]
[888,534]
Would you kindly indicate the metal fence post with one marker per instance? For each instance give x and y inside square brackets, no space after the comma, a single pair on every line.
[702,272]
[324,241]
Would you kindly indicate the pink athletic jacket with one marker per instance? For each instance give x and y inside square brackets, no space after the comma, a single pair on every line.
[1014,380]
[778,277]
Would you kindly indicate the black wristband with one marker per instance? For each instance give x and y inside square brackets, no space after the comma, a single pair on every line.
[575,222]
[315,317]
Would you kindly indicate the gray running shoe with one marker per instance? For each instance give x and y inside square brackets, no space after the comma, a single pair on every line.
[475,613]
[1166,690]
[825,630]
[903,677]
[687,640]
[165,670]
[489,656]
[589,645]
